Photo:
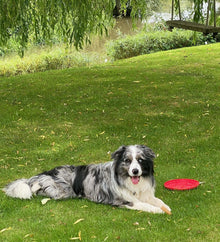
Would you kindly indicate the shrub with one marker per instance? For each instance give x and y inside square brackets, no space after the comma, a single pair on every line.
[145,43]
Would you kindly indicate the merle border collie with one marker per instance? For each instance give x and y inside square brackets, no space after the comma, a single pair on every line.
[127,181]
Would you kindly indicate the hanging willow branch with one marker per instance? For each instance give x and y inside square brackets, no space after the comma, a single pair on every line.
[72,20]
[198,15]
[198,7]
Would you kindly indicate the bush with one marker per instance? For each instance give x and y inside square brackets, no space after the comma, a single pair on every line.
[145,43]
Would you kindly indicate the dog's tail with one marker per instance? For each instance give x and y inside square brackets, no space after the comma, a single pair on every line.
[56,183]
[21,189]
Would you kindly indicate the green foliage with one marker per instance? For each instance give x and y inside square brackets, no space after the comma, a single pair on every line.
[72,20]
[198,7]
[146,43]
[166,100]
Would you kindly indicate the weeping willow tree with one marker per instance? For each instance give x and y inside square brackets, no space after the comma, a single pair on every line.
[72,20]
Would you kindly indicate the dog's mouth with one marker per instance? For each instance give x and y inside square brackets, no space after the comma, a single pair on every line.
[135,179]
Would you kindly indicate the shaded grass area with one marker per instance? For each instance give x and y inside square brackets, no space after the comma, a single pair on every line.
[168,101]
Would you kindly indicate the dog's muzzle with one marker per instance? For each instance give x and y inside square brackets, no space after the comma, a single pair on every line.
[135,176]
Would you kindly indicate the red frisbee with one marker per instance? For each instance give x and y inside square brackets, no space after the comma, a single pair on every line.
[181,184]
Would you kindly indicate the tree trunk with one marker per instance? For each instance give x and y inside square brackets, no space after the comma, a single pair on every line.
[116,11]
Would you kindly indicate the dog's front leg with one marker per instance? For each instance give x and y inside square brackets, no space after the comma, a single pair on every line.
[151,199]
[159,203]
[144,207]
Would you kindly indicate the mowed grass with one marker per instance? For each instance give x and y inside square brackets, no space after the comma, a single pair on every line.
[169,101]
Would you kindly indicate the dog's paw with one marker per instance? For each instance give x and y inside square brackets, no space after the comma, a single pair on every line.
[166,209]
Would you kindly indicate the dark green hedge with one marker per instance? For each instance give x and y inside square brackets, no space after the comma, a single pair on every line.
[145,43]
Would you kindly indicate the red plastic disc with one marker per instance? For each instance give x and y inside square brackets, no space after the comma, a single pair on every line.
[181,184]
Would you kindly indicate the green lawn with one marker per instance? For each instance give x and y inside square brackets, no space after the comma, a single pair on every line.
[169,101]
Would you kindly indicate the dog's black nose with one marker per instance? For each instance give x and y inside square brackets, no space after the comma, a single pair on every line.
[135,171]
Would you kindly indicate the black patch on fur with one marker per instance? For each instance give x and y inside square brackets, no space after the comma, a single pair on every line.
[147,165]
[53,173]
[147,151]
[118,157]
[147,168]
[81,174]
[128,203]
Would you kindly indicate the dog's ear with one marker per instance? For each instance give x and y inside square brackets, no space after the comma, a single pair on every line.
[148,152]
[119,152]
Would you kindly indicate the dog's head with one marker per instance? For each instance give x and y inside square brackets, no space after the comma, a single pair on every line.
[133,161]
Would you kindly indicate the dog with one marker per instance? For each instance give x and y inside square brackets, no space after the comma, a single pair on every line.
[127,181]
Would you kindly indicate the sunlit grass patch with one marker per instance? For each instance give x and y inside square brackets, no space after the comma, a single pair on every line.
[39,59]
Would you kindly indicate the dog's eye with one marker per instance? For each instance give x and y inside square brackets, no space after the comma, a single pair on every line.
[127,161]
[140,160]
